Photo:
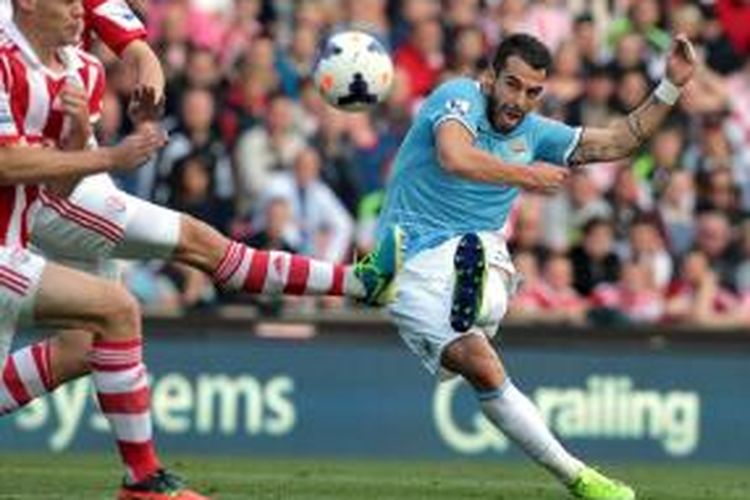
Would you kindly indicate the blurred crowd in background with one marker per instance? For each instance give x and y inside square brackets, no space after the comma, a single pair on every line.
[663,237]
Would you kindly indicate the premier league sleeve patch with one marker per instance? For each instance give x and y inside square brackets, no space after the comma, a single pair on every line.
[119,12]
[458,107]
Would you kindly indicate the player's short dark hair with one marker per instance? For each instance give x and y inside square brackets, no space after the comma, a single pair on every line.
[530,49]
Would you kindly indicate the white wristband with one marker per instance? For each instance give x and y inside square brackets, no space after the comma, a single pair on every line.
[667,92]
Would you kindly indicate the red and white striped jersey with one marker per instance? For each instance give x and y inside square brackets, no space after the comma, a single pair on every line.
[113,22]
[30,112]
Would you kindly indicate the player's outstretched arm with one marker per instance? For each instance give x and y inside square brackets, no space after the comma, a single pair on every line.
[459,156]
[149,77]
[624,136]
[34,165]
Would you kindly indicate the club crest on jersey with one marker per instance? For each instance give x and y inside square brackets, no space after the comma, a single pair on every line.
[518,146]
[119,12]
[458,106]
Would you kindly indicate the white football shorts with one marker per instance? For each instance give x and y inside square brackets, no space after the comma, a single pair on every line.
[424,296]
[20,275]
[98,222]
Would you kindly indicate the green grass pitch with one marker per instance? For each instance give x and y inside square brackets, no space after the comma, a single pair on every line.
[95,477]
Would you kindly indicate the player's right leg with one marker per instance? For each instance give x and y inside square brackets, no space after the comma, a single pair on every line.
[98,221]
[45,297]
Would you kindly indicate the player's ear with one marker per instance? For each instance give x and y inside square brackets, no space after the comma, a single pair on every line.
[487,80]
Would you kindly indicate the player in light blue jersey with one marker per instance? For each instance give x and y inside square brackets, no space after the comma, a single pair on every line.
[471,149]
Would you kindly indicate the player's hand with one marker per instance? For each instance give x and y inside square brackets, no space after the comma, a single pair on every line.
[545,179]
[681,61]
[145,106]
[137,148]
[74,103]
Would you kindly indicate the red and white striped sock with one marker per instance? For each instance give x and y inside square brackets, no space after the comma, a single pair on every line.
[26,375]
[258,271]
[122,389]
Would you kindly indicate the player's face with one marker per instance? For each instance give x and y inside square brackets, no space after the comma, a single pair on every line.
[61,21]
[514,92]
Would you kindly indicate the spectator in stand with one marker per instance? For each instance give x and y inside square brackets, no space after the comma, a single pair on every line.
[630,55]
[738,86]
[735,17]
[713,238]
[527,230]
[696,298]
[743,270]
[566,214]
[201,72]
[268,147]
[565,85]
[421,57]
[676,209]
[192,191]
[644,18]
[632,299]
[466,54]
[339,157]
[277,218]
[663,157]
[587,39]
[647,249]
[550,21]
[632,88]
[523,306]
[296,64]
[720,193]
[411,13]
[320,225]
[553,298]
[196,133]
[173,43]
[594,260]
[628,201]
[593,107]
[370,15]
[713,148]
[242,27]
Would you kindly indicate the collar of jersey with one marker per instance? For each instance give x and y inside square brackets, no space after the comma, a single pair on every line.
[67,55]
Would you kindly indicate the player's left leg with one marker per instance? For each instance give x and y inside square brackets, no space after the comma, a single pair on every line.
[478,284]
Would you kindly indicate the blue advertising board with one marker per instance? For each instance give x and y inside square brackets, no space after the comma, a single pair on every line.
[292,398]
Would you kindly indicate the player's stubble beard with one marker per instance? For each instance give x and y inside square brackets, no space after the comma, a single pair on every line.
[495,110]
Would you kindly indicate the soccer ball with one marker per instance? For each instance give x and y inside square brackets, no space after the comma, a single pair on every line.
[354,71]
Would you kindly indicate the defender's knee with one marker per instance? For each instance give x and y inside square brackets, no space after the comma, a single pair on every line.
[69,355]
[121,317]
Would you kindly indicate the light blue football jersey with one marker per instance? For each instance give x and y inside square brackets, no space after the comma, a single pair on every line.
[432,205]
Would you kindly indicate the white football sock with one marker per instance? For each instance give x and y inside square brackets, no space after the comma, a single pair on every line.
[518,418]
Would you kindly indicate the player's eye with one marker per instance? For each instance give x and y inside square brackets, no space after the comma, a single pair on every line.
[534,93]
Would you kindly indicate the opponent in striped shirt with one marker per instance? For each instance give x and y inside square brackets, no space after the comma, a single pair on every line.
[42,111]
